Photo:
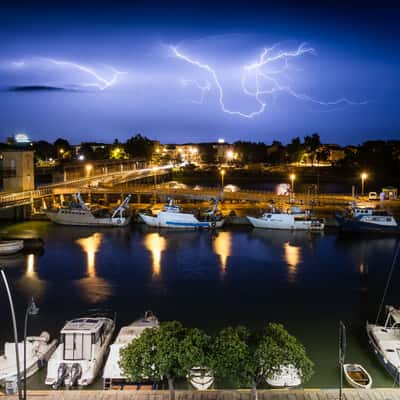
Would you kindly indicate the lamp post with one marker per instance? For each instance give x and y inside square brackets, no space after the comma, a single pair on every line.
[3,275]
[364,176]
[222,172]
[30,310]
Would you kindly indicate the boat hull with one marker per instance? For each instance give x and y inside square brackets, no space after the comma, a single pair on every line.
[356,368]
[351,225]
[87,220]
[285,224]
[390,368]
[179,221]
[8,247]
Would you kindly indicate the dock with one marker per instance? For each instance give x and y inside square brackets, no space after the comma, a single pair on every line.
[274,394]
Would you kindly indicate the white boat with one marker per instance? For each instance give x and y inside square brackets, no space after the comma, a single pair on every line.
[385,341]
[113,377]
[201,378]
[38,351]
[357,376]
[79,356]
[293,219]
[81,214]
[172,216]
[10,246]
[286,376]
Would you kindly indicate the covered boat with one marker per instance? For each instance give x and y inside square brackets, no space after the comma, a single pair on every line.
[367,219]
[201,378]
[80,354]
[10,247]
[81,214]
[113,377]
[357,376]
[385,342]
[293,219]
[172,216]
[38,351]
[287,376]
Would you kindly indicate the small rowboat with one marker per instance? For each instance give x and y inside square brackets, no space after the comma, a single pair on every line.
[201,378]
[10,246]
[357,376]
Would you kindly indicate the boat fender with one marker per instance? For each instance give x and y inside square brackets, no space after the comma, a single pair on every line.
[213,224]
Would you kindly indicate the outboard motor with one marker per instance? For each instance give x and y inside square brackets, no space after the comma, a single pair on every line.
[76,373]
[61,375]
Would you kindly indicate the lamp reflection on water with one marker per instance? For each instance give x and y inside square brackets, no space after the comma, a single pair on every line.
[292,255]
[155,244]
[30,282]
[222,245]
[95,288]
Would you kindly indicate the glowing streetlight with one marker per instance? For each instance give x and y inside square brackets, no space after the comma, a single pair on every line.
[230,155]
[222,172]
[364,176]
[88,168]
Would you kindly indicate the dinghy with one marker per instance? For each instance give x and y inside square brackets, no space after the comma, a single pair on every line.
[286,377]
[10,247]
[201,378]
[357,376]
[38,351]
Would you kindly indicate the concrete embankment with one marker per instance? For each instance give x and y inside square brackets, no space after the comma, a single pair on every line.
[284,394]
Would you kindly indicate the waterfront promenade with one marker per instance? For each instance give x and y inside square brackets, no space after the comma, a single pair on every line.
[306,394]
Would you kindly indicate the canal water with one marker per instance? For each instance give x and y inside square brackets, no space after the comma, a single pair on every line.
[308,282]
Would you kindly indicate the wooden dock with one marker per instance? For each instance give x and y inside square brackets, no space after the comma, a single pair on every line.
[306,394]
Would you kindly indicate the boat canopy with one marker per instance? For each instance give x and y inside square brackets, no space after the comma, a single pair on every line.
[393,313]
[83,324]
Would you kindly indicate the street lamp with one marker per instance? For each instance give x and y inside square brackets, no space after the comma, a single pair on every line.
[364,176]
[3,275]
[88,168]
[292,178]
[222,172]
[30,310]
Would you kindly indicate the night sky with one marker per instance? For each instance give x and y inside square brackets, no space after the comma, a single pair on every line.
[185,71]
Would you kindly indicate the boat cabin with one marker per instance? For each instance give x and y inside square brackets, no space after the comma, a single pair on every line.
[79,336]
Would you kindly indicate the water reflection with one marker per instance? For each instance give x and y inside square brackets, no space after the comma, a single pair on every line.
[222,246]
[155,244]
[30,283]
[292,255]
[96,289]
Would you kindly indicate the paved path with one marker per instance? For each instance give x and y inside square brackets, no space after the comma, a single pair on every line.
[307,394]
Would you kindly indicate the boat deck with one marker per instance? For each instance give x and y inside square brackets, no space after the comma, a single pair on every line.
[307,394]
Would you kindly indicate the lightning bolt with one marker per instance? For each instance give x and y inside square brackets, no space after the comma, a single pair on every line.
[101,84]
[203,88]
[269,68]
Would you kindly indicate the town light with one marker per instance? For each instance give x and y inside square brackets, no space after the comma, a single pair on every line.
[230,155]
[81,157]
[88,168]
[222,172]
[364,176]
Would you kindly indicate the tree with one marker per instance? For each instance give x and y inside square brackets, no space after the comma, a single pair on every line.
[312,143]
[86,150]
[140,146]
[63,148]
[44,150]
[229,353]
[169,351]
[208,153]
[295,150]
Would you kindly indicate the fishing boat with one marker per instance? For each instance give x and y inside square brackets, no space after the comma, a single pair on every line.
[80,214]
[38,351]
[385,341]
[10,247]
[357,376]
[293,219]
[286,377]
[113,377]
[367,219]
[172,216]
[80,354]
[201,378]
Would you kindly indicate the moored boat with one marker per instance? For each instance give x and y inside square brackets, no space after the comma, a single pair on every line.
[113,376]
[385,342]
[173,217]
[10,247]
[79,356]
[367,219]
[38,351]
[80,214]
[286,377]
[201,378]
[357,376]
[293,219]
